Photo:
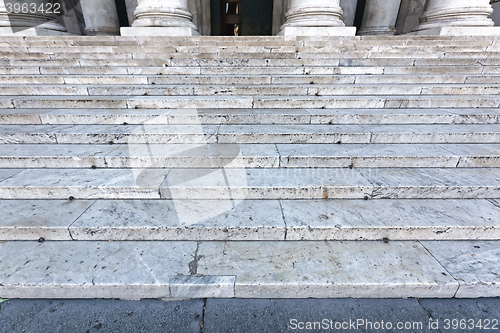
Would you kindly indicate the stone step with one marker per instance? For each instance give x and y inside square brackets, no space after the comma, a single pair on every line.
[251,184]
[423,71]
[360,79]
[249,156]
[250,102]
[235,134]
[234,62]
[262,269]
[250,220]
[96,53]
[241,89]
[248,116]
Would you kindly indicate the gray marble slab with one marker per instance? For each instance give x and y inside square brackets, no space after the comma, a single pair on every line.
[192,286]
[292,134]
[53,155]
[474,264]
[194,156]
[297,183]
[406,219]
[130,270]
[7,173]
[181,220]
[83,184]
[327,269]
[469,133]
[373,155]
[35,219]
[459,183]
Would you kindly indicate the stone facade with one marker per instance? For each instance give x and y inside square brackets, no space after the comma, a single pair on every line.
[290,18]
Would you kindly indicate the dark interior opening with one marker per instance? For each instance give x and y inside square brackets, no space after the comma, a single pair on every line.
[241,17]
[122,13]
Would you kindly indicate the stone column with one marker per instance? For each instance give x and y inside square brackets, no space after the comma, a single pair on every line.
[380,17]
[101,17]
[349,8]
[32,23]
[162,18]
[315,18]
[457,17]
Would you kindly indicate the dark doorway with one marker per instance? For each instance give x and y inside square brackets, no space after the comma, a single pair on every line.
[122,13]
[242,17]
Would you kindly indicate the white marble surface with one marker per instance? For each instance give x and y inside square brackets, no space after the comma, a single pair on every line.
[474,264]
[393,219]
[292,134]
[33,219]
[327,269]
[82,184]
[194,156]
[193,286]
[483,133]
[53,155]
[373,155]
[127,270]
[459,183]
[180,220]
[298,183]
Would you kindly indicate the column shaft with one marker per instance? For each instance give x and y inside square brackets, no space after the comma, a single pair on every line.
[380,17]
[456,16]
[316,18]
[101,17]
[162,17]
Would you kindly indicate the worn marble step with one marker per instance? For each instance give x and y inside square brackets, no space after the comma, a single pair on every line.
[250,220]
[426,72]
[250,102]
[251,184]
[235,134]
[249,156]
[76,53]
[248,116]
[250,89]
[234,62]
[263,269]
[360,79]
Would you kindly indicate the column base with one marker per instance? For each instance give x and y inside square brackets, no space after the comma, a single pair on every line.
[6,31]
[458,31]
[317,31]
[158,31]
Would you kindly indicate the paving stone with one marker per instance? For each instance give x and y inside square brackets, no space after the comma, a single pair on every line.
[35,219]
[326,269]
[181,220]
[472,263]
[435,219]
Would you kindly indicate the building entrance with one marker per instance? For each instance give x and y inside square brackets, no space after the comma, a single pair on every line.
[242,17]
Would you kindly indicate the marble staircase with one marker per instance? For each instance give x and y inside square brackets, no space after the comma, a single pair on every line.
[249,167]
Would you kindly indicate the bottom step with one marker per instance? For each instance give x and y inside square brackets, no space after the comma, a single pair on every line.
[295,269]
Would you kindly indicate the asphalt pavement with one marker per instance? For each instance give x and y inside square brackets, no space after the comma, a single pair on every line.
[251,315]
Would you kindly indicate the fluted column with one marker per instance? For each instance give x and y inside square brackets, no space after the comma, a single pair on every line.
[162,17]
[315,18]
[101,17]
[380,17]
[457,17]
[32,22]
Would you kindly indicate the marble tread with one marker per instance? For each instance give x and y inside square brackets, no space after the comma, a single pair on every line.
[250,220]
[239,183]
[244,116]
[261,269]
[24,156]
[250,102]
[236,134]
